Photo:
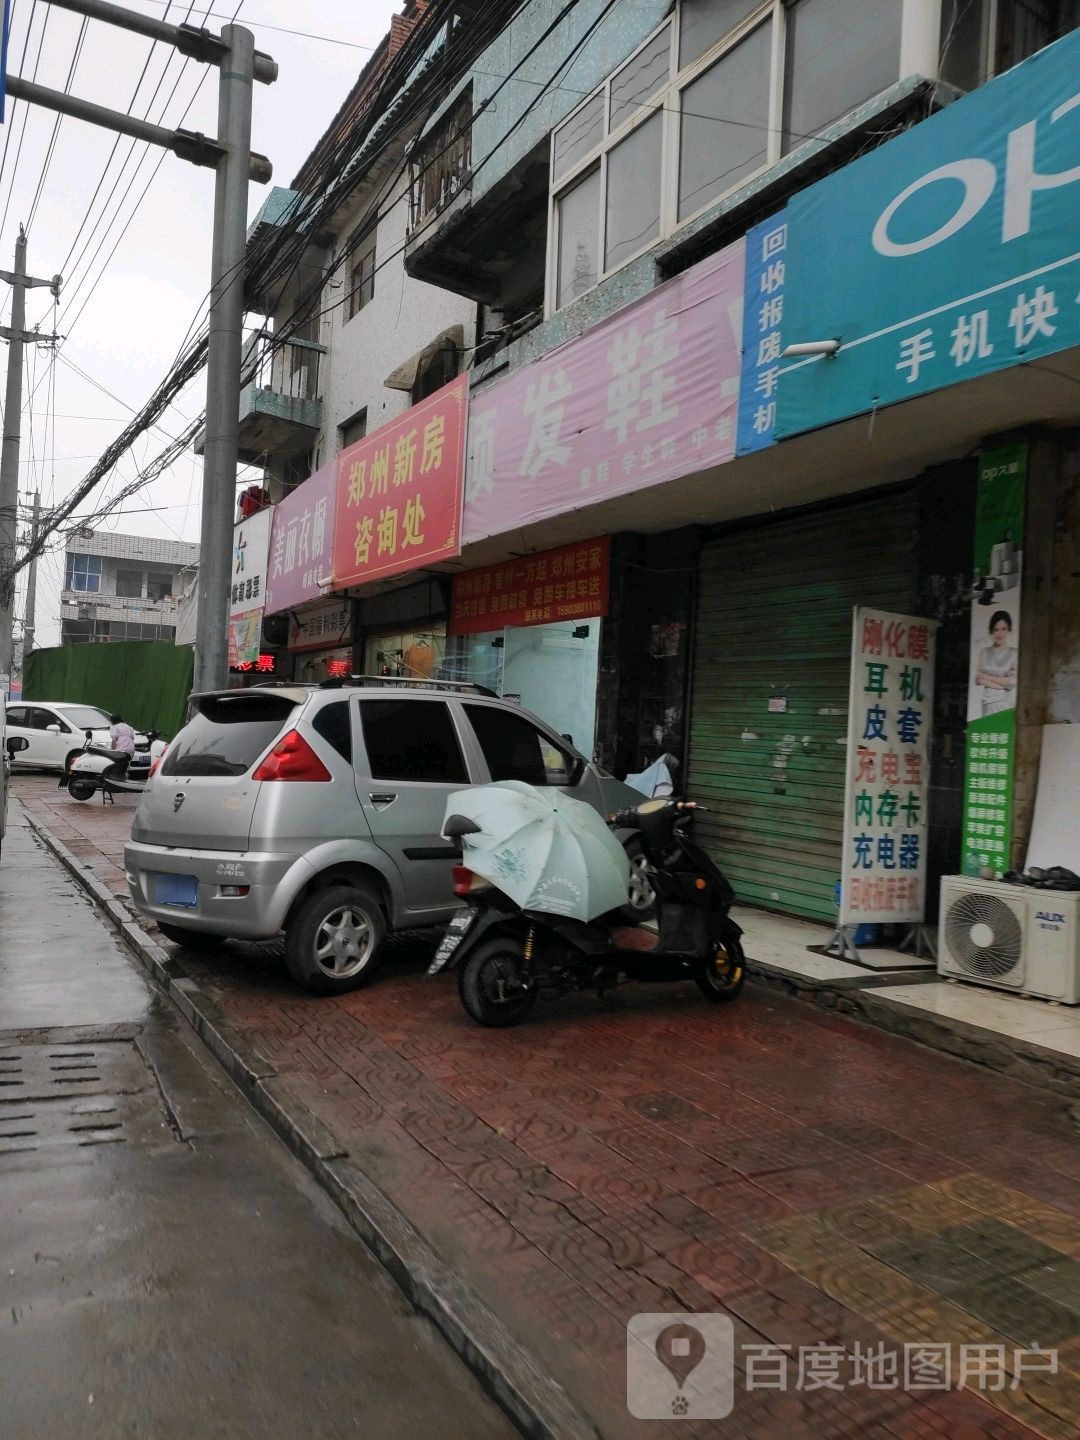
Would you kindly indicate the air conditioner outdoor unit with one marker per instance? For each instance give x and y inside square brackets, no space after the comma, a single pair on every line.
[1011,937]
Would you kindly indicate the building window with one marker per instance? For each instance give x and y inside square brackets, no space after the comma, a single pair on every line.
[354,429]
[362,270]
[839,53]
[716,94]
[129,584]
[441,163]
[83,573]
[159,587]
[436,372]
[982,38]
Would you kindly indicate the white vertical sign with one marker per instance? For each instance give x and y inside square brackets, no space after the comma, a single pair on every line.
[887,783]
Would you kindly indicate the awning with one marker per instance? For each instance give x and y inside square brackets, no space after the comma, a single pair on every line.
[404,377]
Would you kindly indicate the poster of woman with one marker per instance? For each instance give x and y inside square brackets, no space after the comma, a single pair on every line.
[995,656]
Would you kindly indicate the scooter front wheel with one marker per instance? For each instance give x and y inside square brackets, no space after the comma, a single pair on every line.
[492,986]
[723,971]
[81,789]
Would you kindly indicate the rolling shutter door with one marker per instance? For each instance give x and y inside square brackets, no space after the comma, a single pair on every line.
[774,624]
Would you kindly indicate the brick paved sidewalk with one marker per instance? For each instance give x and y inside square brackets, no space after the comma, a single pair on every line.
[820,1182]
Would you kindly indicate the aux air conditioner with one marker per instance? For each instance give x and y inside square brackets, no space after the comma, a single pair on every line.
[1011,937]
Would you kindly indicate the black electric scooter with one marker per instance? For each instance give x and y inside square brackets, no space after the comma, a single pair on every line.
[507,957]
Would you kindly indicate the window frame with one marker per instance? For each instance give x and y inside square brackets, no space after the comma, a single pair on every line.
[363,245]
[574,763]
[455,730]
[669,99]
[86,571]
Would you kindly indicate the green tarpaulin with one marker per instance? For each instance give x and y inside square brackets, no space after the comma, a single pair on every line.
[146,681]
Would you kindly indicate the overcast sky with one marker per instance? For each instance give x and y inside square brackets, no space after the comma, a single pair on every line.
[142,296]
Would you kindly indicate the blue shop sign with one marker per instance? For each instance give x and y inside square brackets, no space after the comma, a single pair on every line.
[763,318]
[947,253]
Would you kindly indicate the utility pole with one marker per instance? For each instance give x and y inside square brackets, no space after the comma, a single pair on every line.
[223,361]
[16,335]
[29,625]
[231,155]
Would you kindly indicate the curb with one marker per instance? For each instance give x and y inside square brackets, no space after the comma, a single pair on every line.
[536,1404]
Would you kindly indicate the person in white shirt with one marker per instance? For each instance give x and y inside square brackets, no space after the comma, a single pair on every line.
[121,736]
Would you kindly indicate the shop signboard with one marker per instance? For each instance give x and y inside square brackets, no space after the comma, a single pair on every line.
[947,253]
[322,626]
[251,542]
[887,780]
[301,541]
[647,396]
[398,502]
[570,583]
[994,661]
[763,318]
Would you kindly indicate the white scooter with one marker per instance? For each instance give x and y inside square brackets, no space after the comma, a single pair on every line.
[100,770]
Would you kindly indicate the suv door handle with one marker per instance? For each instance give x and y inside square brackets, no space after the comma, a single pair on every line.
[381,798]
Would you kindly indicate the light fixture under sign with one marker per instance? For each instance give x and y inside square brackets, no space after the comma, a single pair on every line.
[810,347]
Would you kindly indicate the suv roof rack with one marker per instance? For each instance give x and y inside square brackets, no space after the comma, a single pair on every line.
[396,683]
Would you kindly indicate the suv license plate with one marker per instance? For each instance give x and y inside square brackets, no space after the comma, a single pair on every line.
[456,931]
[177,890]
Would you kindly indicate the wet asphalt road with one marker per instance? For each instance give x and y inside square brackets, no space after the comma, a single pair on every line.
[167,1269]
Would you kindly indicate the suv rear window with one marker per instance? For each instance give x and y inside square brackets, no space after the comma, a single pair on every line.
[228,735]
[412,740]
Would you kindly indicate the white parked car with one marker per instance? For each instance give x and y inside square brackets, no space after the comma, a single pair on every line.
[56,732]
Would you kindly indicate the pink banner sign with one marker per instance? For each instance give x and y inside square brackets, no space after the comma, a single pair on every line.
[301,543]
[649,395]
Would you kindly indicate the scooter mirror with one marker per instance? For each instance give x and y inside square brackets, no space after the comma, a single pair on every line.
[458,825]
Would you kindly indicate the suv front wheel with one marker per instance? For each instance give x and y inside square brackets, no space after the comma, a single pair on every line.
[334,940]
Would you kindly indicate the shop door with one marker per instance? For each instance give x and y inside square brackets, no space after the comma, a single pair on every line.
[768,719]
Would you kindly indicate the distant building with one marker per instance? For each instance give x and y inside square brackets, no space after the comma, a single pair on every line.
[123,587]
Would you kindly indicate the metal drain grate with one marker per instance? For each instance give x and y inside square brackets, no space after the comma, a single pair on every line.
[90,1094]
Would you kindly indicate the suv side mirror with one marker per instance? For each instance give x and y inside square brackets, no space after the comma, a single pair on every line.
[53,729]
[17,743]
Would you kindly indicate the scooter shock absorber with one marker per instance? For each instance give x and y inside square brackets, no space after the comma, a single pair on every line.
[527,948]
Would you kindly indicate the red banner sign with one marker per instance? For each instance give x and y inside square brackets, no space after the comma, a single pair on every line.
[399,491]
[566,584]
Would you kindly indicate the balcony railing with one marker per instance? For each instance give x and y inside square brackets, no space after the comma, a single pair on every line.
[441,165]
[291,369]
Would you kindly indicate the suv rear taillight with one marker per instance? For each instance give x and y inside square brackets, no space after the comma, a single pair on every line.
[466,882]
[156,766]
[292,758]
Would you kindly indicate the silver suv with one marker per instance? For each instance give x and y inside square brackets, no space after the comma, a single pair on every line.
[317,811]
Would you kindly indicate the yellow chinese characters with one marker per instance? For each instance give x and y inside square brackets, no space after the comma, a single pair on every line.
[404,458]
[357,474]
[388,530]
[363,540]
[414,518]
[434,438]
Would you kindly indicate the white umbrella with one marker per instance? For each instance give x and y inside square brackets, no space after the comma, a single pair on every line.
[544,850]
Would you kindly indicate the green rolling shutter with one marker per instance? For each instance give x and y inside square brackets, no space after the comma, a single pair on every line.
[774,623]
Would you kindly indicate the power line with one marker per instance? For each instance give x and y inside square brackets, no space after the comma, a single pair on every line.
[26,111]
[56,125]
[332,198]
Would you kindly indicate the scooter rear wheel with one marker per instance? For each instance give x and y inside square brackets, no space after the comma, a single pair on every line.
[81,789]
[723,972]
[490,984]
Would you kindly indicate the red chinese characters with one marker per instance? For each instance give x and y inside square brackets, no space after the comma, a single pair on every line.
[566,584]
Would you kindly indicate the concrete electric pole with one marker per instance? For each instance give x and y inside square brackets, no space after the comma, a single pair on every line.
[17,336]
[231,156]
[30,623]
